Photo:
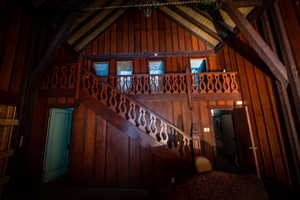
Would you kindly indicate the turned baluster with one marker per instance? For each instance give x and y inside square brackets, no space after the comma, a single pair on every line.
[210,84]
[139,86]
[142,123]
[152,126]
[132,113]
[234,84]
[122,106]
[203,83]
[163,134]
[165,87]
[217,83]
[183,87]
[104,94]
[195,85]
[146,84]
[226,86]
[113,100]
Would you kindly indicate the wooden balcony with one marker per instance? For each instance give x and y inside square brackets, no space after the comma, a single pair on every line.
[209,86]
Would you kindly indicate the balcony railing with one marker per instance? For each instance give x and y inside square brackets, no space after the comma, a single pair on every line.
[67,77]
[201,83]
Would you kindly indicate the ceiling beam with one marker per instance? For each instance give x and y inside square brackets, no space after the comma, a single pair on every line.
[100,29]
[200,33]
[259,45]
[93,22]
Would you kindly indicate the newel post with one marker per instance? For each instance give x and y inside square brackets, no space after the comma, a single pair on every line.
[189,85]
[78,72]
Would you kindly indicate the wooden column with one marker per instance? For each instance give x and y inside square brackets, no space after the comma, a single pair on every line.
[284,75]
[290,63]
[291,128]
[259,45]
[188,85]
[289,60]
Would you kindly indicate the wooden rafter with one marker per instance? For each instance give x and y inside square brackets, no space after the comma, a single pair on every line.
[200,33]
[259,45]
[100,29]
[89,25]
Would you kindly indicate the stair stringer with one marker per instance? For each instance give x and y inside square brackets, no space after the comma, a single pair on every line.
[133,118]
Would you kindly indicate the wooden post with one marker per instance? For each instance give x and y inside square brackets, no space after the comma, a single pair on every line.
[259,45]
[189,85]
[289,60]
[78,74]
[291,127]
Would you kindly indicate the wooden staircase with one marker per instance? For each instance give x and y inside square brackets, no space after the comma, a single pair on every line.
[115,106]
[133,118]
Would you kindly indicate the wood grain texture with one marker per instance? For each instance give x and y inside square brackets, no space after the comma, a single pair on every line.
[134,33]
[103,155]
[257,90]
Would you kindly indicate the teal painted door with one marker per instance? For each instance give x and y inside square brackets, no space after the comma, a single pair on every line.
[56,157]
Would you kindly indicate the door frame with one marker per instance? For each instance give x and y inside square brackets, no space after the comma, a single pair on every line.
[253,147]
[46,136]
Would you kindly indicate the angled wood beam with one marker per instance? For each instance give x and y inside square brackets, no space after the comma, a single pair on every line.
[100,29]
[88,13]
[200,20]
[200,33]
[258,44]
[288,57]
[89,25]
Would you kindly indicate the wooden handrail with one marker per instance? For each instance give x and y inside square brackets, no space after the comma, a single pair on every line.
[66,76]
[140,104]
[112,91]
[137,114]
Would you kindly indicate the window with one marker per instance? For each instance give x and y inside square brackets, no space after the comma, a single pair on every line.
[101,68]
[198,65]
[124,68]
[156,68]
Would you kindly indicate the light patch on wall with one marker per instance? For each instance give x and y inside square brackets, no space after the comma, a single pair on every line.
[239,103]
[206,130]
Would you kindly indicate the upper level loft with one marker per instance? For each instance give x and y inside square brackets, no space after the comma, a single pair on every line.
[197,81]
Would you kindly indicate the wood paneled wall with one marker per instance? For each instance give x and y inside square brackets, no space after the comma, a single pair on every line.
[103,155]
[135,33]
[258,93]
[15,42]
[25,35]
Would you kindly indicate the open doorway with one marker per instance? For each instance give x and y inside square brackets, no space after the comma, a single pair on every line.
[56,157]
[233,141]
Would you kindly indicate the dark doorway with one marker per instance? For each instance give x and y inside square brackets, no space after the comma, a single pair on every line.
[56,157]
[233,141]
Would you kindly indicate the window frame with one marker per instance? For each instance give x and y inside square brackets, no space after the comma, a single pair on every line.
[101,62]
[127,85]
[155,85]
[206,65]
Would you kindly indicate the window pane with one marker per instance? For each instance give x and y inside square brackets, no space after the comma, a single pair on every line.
[101,69]
[156,67]
[124,68]
[198,65]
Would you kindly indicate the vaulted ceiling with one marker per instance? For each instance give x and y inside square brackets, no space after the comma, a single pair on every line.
[211,24]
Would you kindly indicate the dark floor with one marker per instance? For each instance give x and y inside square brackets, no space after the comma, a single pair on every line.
[59,190]
[209,186]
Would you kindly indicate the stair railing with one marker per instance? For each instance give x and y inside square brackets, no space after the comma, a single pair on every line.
[137,114]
